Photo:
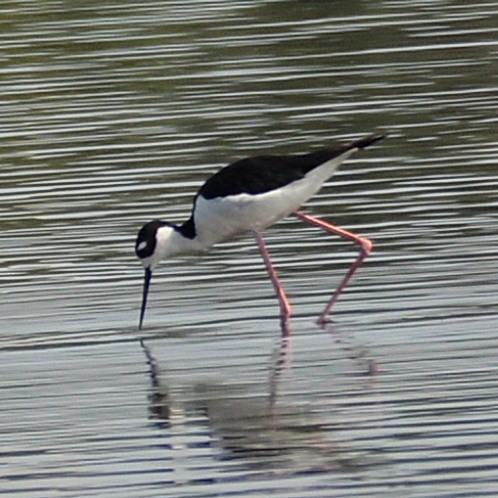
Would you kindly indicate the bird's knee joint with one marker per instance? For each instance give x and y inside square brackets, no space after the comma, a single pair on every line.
[366,245]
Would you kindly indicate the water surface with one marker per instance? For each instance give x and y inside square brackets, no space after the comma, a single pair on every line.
[112,116]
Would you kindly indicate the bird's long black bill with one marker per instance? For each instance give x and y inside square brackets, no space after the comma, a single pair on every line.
[147,278]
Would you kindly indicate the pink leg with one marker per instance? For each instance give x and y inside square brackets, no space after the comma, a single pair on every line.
[285,308]
[365,248]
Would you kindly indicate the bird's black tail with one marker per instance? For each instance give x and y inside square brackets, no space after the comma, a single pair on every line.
[366,141]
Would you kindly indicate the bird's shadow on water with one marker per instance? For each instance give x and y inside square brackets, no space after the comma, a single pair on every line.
[253,421]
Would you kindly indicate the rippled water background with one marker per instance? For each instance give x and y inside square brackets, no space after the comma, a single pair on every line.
[113,114]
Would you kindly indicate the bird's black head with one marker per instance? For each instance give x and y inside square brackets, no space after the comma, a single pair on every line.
[146,242]
[146,247]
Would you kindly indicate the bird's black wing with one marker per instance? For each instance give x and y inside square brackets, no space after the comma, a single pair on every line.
[260,174]
[256,175]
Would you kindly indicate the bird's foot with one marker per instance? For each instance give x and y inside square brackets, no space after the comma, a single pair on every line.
[323,321]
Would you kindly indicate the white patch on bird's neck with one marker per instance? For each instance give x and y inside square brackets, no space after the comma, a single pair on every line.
[170,242]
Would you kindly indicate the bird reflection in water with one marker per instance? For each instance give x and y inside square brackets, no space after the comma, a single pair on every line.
[260,430]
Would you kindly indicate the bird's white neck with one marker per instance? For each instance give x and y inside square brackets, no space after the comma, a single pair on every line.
[172,242]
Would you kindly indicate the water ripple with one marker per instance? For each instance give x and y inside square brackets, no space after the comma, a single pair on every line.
[111,117]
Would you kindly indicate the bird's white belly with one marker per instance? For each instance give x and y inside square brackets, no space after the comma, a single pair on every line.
[224,217]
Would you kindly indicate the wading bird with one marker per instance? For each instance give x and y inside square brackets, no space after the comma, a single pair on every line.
[249,196]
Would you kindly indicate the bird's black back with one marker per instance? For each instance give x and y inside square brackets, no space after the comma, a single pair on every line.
[256,175]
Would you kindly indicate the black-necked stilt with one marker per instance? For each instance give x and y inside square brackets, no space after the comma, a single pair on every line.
[250,195]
